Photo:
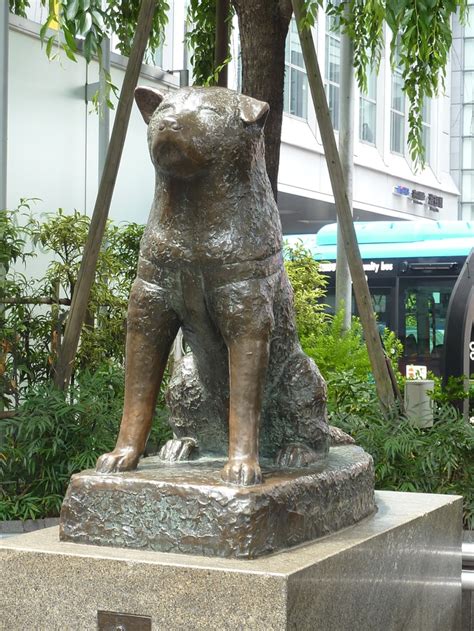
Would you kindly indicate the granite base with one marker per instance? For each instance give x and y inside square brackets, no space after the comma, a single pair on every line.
[398,569]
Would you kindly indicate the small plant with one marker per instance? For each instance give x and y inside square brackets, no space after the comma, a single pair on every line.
[309,289]
[451,392]
[336,350]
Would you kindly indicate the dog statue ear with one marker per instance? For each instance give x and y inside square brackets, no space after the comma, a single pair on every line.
[253,110]
[148,99]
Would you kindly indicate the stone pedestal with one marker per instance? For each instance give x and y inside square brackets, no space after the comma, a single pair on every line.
[186,507]
[398,569]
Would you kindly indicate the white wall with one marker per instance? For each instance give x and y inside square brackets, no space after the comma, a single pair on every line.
[46,127]
[53,134]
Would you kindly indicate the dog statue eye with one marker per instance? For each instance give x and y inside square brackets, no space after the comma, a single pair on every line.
[165,108]
[205,108]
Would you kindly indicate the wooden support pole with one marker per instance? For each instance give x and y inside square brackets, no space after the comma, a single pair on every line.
[86,275]
[346,154]
[361,289]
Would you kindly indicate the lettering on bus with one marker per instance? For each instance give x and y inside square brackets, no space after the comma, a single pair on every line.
[373,266]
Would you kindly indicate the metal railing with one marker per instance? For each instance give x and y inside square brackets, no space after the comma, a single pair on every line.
[467,576]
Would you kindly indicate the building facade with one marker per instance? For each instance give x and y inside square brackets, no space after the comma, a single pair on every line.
[462,112]
[53,134]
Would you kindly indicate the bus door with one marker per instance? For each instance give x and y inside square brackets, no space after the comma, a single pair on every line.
[423,305]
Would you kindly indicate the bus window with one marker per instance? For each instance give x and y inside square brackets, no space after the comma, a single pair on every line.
[380,303]
[425,308]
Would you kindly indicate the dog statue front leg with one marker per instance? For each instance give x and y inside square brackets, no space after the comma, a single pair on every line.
[248,362]
[151,329]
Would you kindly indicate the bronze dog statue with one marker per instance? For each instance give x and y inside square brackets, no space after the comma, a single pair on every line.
[211,264]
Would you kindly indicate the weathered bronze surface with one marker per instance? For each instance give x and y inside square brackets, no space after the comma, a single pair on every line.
[211,263]
[188,508]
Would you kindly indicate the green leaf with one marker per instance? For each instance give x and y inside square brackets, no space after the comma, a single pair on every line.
[90,46]
[85,23]
[72,8]
[70,41]
[98,20]
[45,26]
[49,46]
[69,54]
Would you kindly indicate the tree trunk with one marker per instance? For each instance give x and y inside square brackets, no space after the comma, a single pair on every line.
[263,27]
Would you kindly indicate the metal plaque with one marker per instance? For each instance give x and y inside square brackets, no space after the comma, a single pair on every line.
[112,621]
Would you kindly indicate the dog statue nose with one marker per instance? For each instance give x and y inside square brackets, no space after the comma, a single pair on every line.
[169,122]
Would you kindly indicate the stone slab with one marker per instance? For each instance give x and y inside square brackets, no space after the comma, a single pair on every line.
[187,508]
[398,569]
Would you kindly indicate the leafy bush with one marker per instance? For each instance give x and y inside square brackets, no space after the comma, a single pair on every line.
[54,436]
[451,392]
[30,332]
[438,459]
[337,350]
[309,289]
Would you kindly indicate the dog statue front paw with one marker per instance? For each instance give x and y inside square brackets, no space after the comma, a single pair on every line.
[121,459]
[242,472]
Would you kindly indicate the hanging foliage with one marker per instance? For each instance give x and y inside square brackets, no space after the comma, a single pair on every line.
[201,39]
[421,38]
[91,21]
[420,42]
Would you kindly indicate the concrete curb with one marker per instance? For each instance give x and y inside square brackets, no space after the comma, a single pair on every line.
[17,527]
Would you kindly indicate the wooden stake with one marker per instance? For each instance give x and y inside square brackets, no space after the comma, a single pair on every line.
[361,289]
[86,276]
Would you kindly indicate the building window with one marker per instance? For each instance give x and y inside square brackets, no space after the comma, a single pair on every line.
[332,70]
[426,128]
[467,212]
[469,27]
[397,114]
[468,87]
[368,110]
[468,153]
[468,186]
[468,120]
[156,59]
[296,81]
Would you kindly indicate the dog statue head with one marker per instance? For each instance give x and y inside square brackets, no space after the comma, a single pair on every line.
[191,129]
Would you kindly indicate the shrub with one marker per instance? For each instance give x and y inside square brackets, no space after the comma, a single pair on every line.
[309,289]
[432,460]
[337,350]
[438,459]
[30,333]
[55,435]
[52,436]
